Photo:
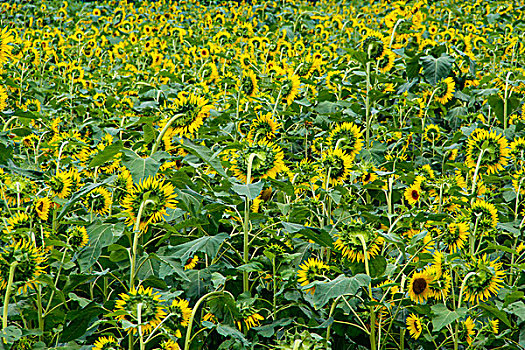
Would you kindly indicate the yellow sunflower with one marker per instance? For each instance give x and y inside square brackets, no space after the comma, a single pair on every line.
[348,137]
[106,343]
[311,270]
[157,197]
[191,263]
[181,312]
[289,88]
[169,345]
[374,45]
[445,90]
[5,50]
[455,236]
[191,110]
[419,287]
[60,184]
[486,281]
[41,208]
[151,310]
[248,84]
[265,127]
[493,149]
[413,194]
[335,166]
[350,241]
[386,63]
[29,265]
[266,158]
[414,326]
[98,201]
[77,237]
[485,214]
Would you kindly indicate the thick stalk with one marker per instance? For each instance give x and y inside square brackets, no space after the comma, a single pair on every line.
[194,312]
[136,235]
[7,294]
[367,104]
[372,311]
[246,225]
[163,132]
[475,177]
[456,336]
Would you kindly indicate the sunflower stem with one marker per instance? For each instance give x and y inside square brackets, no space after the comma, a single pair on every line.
[7,294]
[367,104]
[475,176]
[463,283]
[194,312]
[136,235]
[139,320]
[332,309]
[372,311]
[163,132]
[246,226]
[505,107]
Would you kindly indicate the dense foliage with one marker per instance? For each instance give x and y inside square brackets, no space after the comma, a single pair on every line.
[280,175]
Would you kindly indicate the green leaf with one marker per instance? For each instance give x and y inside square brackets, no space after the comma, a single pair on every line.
[518,309]
[436,69]
[342,285]
[251,190]
[495,312]
[206,155]
[149,133]
[106,154]
[100,236]
[207,244]
[319,236]
[140,168]
[10,334]
[228,331]
[443,316]
[79,322]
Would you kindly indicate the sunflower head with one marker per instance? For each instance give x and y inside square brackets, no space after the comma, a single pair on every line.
[486,279]
[148,302]
[311,270]
[414,326]
[489,149]
[181,312]
[77,237]
[335,166]
[265,158]
[419,287]
[106,343]
[373,45]
[190,111]
[351,237]
[29,262]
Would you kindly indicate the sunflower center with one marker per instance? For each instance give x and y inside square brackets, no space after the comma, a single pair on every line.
[419,285]
[415,194]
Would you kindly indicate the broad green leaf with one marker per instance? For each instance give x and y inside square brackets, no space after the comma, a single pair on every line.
[495,312]
[206,155]
[319,236]
[518,309]
[228,331]
[10,334]
[443,316]
[251,190]
[79,321]
[106,154]
[436,69]
[207,244]
[100,236]
[140,168]
[342,285]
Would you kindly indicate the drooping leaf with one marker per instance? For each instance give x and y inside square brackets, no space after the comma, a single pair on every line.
[100,235]
[251,191]
[207,244]
[436,69]
[106,154]
[443,316]
[140,168]
[342,285]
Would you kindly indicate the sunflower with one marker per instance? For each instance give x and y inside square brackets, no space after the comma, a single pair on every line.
[191,110]
[41,208]
[486,281]
[311,270]
[347,137]
[485,214]
[414,326]
[289,88]
[517,148]
[169,345]
[304,176]
[98,201]
[445,90]
[494,326]
[191,263]
[123,184]
[157,197]
[493,148]
[106,343]
[419,287]
[77,237]
[181,312]
[441,282]
[386,63]
[468,331]
[267,160]
[29,264]
[3,98]
[455,236]
[248,316]
[151,309]
[374,45]
[413,194]
[334,79]
[265,126]
[335,166]
[248,84]
[350,241]
[432,133]
[60,184]
[17,221]
[5,50]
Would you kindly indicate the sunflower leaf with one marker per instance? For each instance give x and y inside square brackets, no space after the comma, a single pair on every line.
[108,153]
[436,69]
[443,316]
[342,285]
[251,191]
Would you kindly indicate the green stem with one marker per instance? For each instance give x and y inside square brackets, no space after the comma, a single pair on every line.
[8,292]
[136,235]
[367,104]
[372,311]
[194,312]
[456,336]
[475,176]
[246,225]
[163,132]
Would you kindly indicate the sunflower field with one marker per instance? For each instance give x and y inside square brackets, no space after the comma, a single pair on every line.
[262,175]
